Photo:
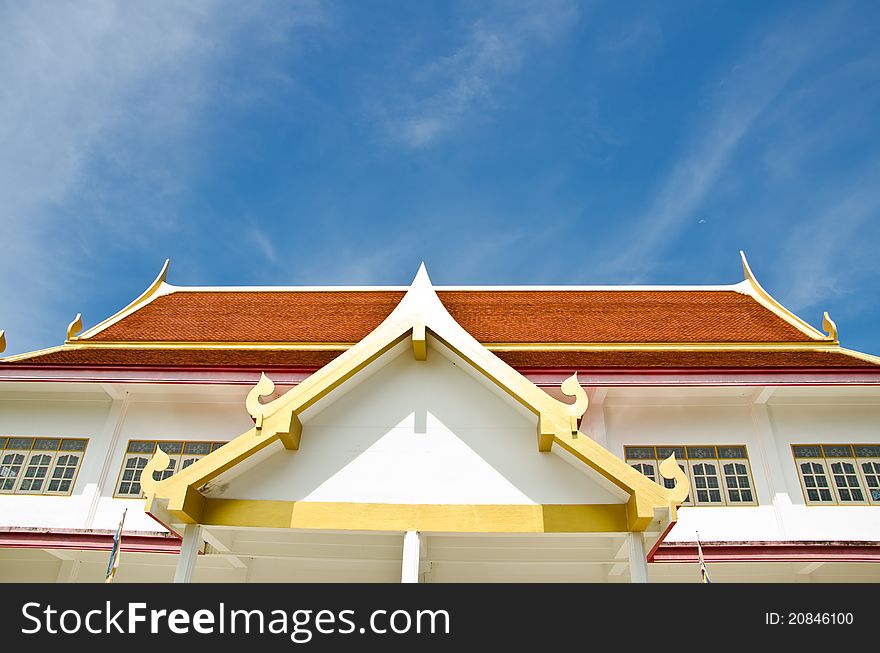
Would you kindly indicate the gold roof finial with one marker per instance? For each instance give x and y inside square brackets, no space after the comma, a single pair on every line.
[2,341]
[830,326]
[255,407]
[669,469]
[158,463]
[75,327]
[571,387]
[758,292]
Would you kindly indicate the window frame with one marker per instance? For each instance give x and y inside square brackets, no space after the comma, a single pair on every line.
[24,453]
[692,462]
[876,473]
[685,464]
[737,461]
[647,461]
[34,453]
[855,473]
[176,458]
[80,454]
[826,462]
[53,454]
[825,472]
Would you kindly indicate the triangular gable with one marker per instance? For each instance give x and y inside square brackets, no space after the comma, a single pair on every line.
[178,499]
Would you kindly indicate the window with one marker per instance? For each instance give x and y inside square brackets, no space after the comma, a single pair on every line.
[36,465]
[647,460]
[139,452]
[839,474]
[719,475]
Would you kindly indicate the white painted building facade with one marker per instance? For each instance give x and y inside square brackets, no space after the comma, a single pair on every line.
[444,442]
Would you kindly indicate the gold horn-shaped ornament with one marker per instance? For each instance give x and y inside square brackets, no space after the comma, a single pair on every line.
[2,341]
[265,386]
[75,327]
[571,387]
[830,326]
[158,463]
[669,469]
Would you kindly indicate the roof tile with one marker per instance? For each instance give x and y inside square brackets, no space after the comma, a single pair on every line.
[267,359]
[517,316]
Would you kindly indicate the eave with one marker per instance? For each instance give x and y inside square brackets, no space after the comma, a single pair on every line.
[420,315]
[542,377]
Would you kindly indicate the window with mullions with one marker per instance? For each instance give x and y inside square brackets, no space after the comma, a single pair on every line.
[868,458]
[647,460]
[35,465]
[138,454]
[839,474]
[719,475]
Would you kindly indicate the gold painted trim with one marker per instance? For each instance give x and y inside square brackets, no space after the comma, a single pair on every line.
[814,345]
[766,299]
[33,354]
[491,346]
[870,358]
[74,327]
[830,326]
[445,518]
[180,497]
[657,346]
[144,298]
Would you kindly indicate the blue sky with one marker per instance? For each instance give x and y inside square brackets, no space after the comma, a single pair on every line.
[501,142]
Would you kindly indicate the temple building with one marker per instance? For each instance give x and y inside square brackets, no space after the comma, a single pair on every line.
[443,434]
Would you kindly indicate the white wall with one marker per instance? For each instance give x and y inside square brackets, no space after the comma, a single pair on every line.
[74,419]
[428,433]
[91,504]
[419,433]
[781,515]
[164,420]
[826,424]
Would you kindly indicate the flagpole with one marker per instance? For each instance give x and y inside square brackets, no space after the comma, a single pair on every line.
[704,573]
[115,551]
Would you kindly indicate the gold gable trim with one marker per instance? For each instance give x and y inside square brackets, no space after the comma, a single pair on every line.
[420,313]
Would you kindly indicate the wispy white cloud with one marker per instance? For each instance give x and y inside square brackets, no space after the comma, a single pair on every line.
[832,249]
[97,95]
[444,91]
[264,245]
[719,125]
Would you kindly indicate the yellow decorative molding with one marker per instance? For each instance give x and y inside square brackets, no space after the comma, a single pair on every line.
[419,314]
[254,406]
[74,327]
[669,469]
[868,358]
[158,463]
[492,346]
[145,297]
[571,388]
[450,518]
[767,300]
[830,326]
[420,342]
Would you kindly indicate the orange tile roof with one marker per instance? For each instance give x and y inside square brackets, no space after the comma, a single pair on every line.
[266,359]
[615,316]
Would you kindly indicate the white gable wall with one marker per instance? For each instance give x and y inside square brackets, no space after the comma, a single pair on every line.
[420,433]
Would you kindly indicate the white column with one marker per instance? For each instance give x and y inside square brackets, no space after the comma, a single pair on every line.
[189,552]
[109,435]
[638,562]
[68,571]
[409,572]
[773,470]
[596,416]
